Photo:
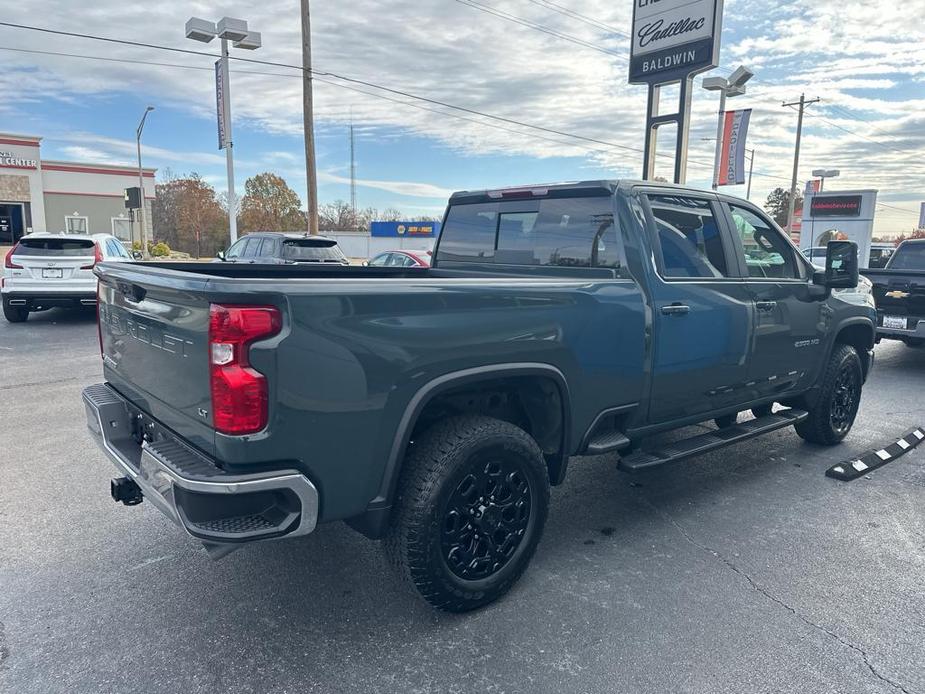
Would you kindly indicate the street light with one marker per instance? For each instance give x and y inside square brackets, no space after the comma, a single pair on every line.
[733,86]
[141,183]
[823,174]
[234,30]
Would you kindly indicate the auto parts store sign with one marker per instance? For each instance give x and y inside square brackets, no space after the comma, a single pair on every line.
[10,160]
[673,39]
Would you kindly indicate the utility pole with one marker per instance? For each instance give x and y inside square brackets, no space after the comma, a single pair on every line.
[802,103]
[353,175]
[308,119]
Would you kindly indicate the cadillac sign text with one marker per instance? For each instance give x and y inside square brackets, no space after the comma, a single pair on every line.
[673,39]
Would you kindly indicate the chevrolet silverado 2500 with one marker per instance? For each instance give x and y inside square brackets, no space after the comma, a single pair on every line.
[434,408]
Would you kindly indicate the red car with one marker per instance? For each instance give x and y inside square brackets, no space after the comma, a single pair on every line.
[401,259]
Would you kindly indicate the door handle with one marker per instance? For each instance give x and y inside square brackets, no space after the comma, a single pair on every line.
[765,305]
[675,309]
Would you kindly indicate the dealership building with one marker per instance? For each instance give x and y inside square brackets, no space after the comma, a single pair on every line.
[63,196]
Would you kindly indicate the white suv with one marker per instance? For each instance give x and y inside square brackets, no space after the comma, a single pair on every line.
[46,270]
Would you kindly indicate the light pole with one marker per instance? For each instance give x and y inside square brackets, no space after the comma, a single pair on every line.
[141,183]
[751,167]
[234,30]
[823,174]
[727,88]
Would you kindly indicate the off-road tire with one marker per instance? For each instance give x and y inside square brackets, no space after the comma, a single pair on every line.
[440,463]
[14,314]
[820,427]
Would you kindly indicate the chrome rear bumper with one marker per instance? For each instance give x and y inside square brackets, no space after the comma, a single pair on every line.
[189,488]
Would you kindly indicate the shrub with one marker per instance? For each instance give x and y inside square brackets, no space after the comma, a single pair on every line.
[159,250]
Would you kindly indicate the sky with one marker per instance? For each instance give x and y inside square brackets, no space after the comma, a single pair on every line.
[862,60]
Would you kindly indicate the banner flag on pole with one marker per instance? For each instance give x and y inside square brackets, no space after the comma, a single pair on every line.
[732,156]
[220,81]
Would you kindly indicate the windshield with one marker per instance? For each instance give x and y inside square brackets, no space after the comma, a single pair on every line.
[57,247]
[311,251]
[909,256]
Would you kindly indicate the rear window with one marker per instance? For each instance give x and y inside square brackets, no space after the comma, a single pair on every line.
[909,256]
[312,251]
[561,232]
[59,247]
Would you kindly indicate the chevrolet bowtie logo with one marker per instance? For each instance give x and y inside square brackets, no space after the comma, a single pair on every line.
[897,294]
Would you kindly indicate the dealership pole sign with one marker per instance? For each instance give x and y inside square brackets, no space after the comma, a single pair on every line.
[672,41]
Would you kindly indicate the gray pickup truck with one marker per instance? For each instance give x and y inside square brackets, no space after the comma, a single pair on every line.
[434,408]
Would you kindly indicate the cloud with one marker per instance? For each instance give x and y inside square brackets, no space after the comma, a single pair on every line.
[857,58]
[408,188]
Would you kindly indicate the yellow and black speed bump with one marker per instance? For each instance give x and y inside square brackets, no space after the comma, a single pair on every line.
[852,469]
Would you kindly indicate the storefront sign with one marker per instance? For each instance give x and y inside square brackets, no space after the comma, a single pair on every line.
[402,229]
[673,39]
[835,206]
[10,160]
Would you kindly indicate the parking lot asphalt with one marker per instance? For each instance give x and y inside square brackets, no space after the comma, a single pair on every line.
[746,570]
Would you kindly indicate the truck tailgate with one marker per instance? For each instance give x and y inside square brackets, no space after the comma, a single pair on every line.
[899,292]
[154,339]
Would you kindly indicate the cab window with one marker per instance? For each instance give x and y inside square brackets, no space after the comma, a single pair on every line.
[768,254]
[689,237]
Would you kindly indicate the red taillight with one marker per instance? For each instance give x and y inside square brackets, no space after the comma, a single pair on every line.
[97,257]
[8,261]
[239,393]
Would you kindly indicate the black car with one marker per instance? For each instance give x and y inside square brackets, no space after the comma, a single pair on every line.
[280,248]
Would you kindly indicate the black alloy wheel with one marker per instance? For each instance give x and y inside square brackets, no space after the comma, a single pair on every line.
[485,518]
[845,399]
[834,408]
[470,509]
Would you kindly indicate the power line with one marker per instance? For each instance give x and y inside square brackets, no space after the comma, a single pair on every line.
[352,80]
[863,137]
[549,5]
[334,75]
[539,27]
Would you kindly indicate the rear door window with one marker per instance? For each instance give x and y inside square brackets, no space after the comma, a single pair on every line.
[251,247]
[54,247]
[559,232]
[689,237]
[312,251]
[270,247]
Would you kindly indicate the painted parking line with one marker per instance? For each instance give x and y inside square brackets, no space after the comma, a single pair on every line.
[852,469]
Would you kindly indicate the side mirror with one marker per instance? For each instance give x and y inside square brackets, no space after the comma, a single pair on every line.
[137,255]
[220,255]
[841,265]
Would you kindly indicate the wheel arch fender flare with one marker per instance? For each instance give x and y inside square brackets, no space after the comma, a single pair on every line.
[472,376]
[855,328]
